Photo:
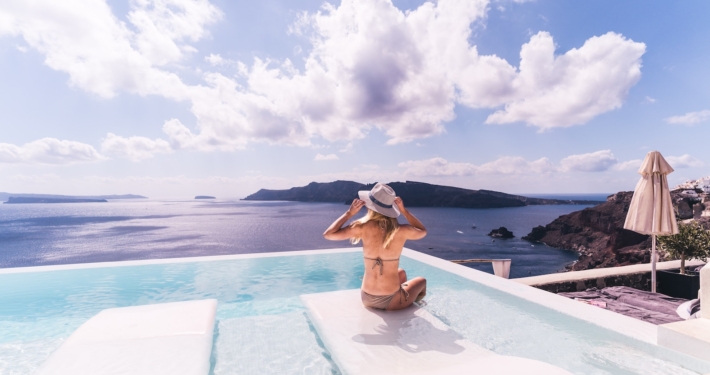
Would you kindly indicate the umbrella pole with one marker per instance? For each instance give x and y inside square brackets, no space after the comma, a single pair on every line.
[653,264]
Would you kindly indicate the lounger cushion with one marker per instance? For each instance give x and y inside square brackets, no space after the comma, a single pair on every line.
[168,338]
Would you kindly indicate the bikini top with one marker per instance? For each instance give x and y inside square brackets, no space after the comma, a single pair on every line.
[378,262]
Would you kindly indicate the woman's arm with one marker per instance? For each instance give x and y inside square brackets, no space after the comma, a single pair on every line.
[336,232]
[416,229]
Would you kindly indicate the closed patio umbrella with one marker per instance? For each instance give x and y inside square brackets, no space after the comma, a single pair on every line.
[651,210]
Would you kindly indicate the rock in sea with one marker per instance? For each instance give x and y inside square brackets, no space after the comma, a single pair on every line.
[501,232]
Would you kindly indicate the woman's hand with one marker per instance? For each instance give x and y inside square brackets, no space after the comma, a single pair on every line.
[400,205]
[355,207]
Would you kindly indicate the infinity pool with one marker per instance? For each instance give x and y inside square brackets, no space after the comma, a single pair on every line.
[262,327]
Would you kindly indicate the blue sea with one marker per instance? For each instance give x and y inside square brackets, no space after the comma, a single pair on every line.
[48,234]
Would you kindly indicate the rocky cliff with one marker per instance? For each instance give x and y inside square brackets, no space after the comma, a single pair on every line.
[597,233]
[414,194]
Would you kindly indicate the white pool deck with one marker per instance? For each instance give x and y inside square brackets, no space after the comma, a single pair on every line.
[411,341]
[159,339]
[679,339]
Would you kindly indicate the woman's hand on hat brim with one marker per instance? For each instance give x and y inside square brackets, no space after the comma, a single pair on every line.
[355,207]
[399,203]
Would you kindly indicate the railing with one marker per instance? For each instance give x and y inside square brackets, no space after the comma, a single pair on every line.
[501,267]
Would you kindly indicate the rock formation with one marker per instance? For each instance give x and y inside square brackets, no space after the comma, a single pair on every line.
[501,232]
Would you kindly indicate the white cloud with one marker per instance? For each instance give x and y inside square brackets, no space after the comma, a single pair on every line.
[437,167]
[649,99]
[504,165]
[690,118]
[598,161]
[369,66]
[103,55]
[321,157]
[516,165]
[133,148]
[216,60]
[573,88]
[684,161]
[628,165]
[48,151]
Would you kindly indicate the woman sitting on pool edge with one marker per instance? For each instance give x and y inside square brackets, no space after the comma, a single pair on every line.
[384,285]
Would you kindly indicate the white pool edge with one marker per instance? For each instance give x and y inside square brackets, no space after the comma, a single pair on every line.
[143,262]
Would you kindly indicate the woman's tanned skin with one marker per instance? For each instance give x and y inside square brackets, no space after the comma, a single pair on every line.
[373,240]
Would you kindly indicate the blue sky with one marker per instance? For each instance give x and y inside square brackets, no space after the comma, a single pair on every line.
[174,98]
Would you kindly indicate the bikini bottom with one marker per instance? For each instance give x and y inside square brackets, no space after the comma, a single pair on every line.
[382,302]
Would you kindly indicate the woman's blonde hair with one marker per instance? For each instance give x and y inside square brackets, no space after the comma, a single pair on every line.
[388,224]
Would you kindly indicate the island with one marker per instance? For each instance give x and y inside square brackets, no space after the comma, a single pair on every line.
[23,200]
[414,194]
[6,196]
[204,197]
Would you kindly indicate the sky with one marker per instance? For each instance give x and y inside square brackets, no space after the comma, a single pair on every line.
[176,98]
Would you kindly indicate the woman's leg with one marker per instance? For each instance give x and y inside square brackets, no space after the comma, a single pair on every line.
[402,276]
[416,287]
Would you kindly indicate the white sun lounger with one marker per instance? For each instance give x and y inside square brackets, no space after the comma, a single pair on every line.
[167,338]
[410,341]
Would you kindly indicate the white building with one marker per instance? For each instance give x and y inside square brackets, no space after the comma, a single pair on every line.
[688,193]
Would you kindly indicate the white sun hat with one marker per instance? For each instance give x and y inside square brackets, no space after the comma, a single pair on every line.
[380,199]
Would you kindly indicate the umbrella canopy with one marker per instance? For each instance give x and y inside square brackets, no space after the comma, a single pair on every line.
[651,209]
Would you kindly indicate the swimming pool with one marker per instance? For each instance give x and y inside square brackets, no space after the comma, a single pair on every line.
[262,326]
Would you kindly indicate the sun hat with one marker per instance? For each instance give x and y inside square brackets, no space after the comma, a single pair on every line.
[380,199]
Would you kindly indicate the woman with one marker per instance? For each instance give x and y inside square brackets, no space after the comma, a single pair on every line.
[384,285]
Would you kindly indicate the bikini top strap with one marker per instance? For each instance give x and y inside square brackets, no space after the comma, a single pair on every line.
[378,262]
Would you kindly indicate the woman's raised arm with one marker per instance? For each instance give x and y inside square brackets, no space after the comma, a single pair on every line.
[416,229]
[336,232]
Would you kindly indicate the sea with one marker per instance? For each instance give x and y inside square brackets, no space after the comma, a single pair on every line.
[51,234]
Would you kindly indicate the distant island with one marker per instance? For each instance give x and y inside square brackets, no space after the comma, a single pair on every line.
[414,194]
[204,197]
[22,200]
[6,196]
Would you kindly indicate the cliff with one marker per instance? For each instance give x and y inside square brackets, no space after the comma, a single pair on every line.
[414,194]
[597,233]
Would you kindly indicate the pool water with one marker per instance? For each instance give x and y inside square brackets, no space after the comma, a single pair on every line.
[262,327]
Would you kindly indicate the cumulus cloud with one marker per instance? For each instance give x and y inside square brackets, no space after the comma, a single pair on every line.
[369,66]
[684,161]
[592,162]
[437,167]
[573,88]
[690,118]
[216,59]
[134,148]
[103,55]
[48,151]
[321,157]
[517,165]
[634,164]
[504,165]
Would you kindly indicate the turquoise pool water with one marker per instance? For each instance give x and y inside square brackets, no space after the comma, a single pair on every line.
[262,327]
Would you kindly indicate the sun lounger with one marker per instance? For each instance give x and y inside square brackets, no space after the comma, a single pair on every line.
[167,338]
[410,341]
